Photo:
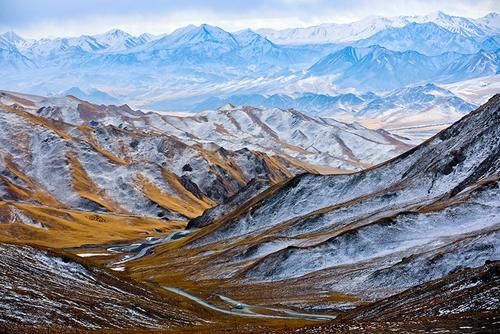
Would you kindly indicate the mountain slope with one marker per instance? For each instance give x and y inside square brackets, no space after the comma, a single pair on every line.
[371,234]
[426,38]
[293,135]
[462,302]
[56,291]
[106,168]
[376,68]
[298,140]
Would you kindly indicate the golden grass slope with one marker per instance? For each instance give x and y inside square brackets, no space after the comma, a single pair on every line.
[26,223]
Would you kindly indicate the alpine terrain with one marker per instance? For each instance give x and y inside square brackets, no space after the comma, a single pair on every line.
[249,167]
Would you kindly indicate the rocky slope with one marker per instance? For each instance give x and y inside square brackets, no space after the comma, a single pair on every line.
[430,212]
[56,291]
[97,167]
[308,142]
[462,302]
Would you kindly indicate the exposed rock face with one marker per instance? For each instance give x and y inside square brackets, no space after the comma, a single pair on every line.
[251,190]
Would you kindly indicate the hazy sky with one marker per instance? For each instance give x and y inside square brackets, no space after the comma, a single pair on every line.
[44,18]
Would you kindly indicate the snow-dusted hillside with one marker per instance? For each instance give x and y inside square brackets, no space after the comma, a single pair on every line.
[318,144]
[430,212]
[57,152]
[41,289]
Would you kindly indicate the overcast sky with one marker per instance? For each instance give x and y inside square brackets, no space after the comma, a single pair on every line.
[49,18]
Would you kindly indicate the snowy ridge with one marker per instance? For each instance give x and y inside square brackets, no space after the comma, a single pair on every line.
[312,143]
[341,33]
[106,168]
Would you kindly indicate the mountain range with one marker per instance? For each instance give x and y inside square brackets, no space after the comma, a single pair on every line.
[384,69]
[95,198]
[339,241]
[350,32]
[195,63]
[288,134]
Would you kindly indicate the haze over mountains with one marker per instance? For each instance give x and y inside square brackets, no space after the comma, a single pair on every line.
[181,70]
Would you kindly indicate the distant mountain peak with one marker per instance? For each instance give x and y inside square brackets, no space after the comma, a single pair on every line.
[227,107]
[12,36]
[117,33]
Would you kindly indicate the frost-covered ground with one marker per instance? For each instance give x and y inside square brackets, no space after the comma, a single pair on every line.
[41,289]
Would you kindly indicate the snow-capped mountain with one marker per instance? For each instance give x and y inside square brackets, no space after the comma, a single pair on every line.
[193,64]
[198,41]
[332,33]
[256,48]
[427,38]
[80,49]
[474,28]
[350,32]
[480,64]
[377,68]
[491,20]
[11,58]
[52,48]
[14,40]
[118,40]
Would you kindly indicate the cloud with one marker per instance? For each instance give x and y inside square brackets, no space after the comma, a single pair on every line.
[59,17]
